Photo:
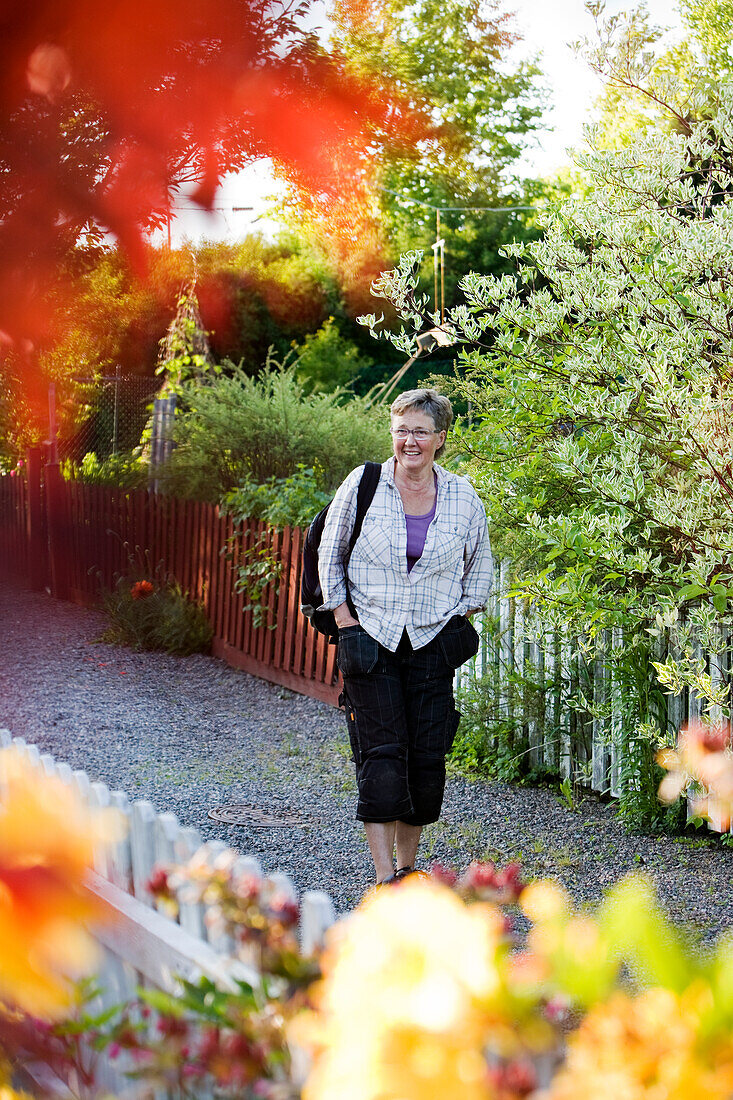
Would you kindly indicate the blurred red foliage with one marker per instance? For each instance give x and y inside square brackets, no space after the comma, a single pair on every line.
[107,110]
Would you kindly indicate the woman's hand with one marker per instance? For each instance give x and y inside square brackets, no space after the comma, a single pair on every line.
[343,616]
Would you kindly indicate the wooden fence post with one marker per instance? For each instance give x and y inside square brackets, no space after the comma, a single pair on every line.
[601,688]
[37,547]
[58,535]
[566,654]
[617,730]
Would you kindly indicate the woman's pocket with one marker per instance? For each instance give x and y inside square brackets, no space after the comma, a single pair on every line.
[451,728]
[376,540]
[351,727]
[357,652]
[459,641]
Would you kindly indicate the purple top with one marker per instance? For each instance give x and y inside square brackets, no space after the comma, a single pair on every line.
[417,530]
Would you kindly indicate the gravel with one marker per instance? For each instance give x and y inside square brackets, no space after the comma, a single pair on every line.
[191,734]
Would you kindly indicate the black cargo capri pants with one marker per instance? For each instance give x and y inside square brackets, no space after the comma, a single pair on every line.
[402,719]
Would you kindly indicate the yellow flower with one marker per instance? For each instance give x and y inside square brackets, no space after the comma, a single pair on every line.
[544,900]
[46,845]
[9,1093]
[644,1048]
[406,1001]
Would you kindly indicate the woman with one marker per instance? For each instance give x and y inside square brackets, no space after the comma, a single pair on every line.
[421,564]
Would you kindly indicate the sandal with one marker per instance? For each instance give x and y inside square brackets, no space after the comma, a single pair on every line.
[405,872]
[390,880]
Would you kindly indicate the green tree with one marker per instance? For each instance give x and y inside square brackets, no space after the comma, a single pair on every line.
[711,22]
[451,61]
[327,360]
[647,86]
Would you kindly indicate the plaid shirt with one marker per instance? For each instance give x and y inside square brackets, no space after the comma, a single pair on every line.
[452,577]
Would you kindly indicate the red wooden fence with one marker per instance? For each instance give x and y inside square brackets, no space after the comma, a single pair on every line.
[14,526]
[97,535]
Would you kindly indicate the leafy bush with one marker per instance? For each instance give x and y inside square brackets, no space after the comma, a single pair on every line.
[145,614]
[490,739]
[281,501]
[236,430]
[125,470]
[327,360]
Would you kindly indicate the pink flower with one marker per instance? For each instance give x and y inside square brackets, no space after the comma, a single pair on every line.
[443,874]
[285,910]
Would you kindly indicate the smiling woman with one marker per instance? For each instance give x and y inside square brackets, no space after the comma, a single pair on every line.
[421,564]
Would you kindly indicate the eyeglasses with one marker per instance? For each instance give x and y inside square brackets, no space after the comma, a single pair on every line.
[418,434]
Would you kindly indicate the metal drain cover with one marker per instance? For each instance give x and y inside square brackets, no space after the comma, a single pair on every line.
[244,813]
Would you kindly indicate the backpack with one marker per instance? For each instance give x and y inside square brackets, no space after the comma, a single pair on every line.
[311,594]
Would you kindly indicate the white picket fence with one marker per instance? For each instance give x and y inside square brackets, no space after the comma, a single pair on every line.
[143,946]
[532,675]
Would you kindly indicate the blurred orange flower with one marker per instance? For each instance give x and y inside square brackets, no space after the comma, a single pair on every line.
[703,759]
[46,845]
[644,1047]
[409,990]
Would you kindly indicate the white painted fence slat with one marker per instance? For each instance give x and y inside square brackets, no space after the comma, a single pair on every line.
[565,747]
[65,774]
[99,798]
[119,854]
[520,662]
[317,914]
[715,821]
[600,758]
[190,913]
[48,765]
[211,853]
[506,643]
[81,785]
[283,885]
[549,716]
[142,847]
[536,715]
[617,641]
[694,713]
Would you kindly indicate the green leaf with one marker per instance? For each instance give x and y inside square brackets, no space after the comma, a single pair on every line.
[691,592]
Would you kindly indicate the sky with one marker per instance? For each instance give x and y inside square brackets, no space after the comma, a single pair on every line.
[547,27]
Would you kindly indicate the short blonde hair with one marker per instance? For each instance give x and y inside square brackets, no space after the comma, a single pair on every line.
[437,407]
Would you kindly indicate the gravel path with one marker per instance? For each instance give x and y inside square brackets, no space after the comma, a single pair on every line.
[191,734]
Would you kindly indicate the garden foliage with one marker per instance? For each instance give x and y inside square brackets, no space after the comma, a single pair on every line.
[326,360]
[428,990]
[456,60]
[236,430]
[124,470]
[155,614]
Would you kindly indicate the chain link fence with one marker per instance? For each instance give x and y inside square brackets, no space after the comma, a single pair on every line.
[102,416]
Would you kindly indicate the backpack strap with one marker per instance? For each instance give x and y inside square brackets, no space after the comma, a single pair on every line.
[365,495]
